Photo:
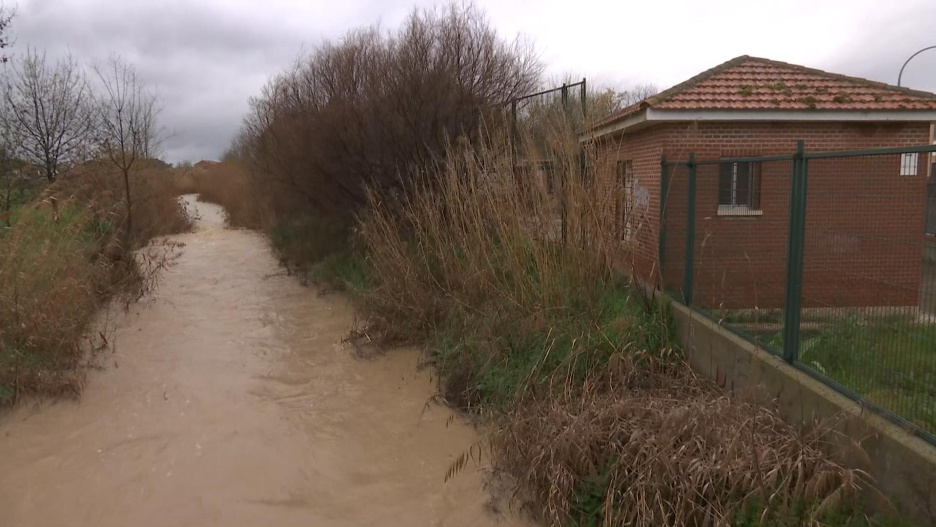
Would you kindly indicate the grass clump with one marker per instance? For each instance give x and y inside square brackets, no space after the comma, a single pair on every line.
[670,450]
[345,270]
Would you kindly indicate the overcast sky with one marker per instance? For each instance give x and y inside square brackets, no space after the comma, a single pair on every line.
[208,56]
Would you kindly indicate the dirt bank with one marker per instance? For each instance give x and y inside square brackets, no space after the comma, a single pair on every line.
[230,400]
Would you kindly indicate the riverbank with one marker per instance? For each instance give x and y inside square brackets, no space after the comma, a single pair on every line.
[230,399]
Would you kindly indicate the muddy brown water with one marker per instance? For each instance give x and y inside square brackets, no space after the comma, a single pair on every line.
[229,399]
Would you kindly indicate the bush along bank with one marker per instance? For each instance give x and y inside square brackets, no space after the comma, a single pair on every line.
[592,412]
[67,254]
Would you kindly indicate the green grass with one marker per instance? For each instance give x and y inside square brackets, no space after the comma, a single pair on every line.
[345,271]
[48,291]
[20,195]
[504,357]
[798,515]
[304,241]
[588,503]
[890,360]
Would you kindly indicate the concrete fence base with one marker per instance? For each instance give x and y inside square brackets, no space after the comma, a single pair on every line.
[902,465]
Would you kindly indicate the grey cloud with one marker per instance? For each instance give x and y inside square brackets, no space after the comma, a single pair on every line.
[204,60]
[207,57]
[883,44]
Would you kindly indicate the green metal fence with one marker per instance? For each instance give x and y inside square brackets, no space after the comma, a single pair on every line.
[535,159]
[822,258]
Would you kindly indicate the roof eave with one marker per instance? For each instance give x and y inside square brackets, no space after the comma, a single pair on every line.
[650,116]
[804,115]
[629,123]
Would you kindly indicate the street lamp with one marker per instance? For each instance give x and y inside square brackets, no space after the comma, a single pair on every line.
[908,60]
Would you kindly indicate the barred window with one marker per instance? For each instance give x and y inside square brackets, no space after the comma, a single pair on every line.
[739,185]
[909,164]
[625,182]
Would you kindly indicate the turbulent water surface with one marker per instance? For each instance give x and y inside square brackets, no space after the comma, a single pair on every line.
[229,399]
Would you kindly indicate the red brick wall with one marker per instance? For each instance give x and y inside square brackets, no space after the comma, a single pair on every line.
[639,255]
[864,220]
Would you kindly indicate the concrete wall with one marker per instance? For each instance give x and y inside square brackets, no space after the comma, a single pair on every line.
[903,466]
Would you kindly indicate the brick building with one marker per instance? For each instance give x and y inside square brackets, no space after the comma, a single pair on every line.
[865,215]
[205,164]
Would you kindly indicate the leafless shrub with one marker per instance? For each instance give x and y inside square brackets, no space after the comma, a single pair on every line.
[363,111]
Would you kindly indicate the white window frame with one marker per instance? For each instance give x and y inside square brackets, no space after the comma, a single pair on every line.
[734,185]
[735,209]
[910,164]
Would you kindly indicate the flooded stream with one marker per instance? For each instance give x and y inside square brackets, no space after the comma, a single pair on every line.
[230,400]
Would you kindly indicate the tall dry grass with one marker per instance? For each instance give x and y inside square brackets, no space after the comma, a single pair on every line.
[66,255]
[484,212]
[671,450]
[595,415]
[226,184]
[301,237]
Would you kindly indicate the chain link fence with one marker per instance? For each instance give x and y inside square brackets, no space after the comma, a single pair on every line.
[823,258]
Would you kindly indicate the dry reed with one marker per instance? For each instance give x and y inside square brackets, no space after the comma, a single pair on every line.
[679,453]
[597,420]
[226,184]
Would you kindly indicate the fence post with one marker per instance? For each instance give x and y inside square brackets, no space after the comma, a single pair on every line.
[584,95]
[794,288]
[583,169]
[664,190]
[690,234]
[513,141]
[565,184]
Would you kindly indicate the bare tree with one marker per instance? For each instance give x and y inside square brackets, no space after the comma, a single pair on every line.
[15,180]
[638,93]
[154,135]
[51,109]
[607,101]
[6,18]
[126,117]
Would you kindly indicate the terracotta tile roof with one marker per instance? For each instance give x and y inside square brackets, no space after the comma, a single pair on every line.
[205,163]
[751,83]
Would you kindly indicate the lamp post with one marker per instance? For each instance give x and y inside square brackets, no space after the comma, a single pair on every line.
[908,60]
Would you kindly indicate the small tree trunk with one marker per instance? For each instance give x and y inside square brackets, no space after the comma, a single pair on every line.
[126,174]
[50,170]
[8,206]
